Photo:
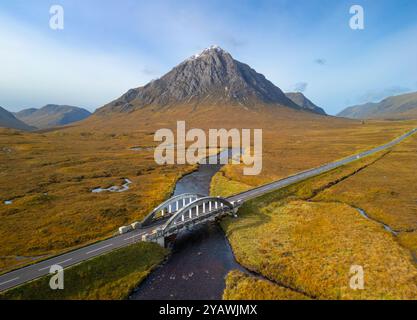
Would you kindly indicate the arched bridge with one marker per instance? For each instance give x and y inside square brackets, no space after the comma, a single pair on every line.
[183,212]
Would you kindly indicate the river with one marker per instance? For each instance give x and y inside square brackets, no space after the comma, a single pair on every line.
[200,259]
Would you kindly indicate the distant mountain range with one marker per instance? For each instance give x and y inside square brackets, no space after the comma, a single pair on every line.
[301,100]
[211,77]
[8,120]
[52,115]
[392,108]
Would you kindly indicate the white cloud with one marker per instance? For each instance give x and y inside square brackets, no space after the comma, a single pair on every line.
[37,69]
[376,95]
[300,87]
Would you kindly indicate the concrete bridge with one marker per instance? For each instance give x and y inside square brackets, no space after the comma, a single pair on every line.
[183,212]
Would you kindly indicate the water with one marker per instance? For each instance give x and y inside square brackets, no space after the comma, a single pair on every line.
[142,148]
[201,258]
[123,188]
[386,227]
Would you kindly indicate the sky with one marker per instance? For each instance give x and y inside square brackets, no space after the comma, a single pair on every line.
[108,47]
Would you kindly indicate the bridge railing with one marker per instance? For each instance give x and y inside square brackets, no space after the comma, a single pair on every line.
[201,207]
[169,207]
[197,212]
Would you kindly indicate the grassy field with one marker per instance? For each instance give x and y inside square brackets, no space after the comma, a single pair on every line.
[386,191]
[49,178]
[49,175]
[240,286]
[108,277]
[295,240]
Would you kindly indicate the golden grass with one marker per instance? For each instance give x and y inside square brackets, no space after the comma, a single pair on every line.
[222,186]
[386,191]
[240,286]
[112,276]
[409,240]
[50,176]
[292,141]
[310,246]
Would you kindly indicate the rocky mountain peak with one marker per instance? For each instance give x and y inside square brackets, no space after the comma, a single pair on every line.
[210,77]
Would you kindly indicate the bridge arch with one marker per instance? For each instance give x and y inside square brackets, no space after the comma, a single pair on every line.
[170,206]
[199,209]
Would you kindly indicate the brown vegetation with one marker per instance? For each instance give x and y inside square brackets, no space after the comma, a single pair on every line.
[49,175]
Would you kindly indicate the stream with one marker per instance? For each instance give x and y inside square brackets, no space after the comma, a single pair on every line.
[386,227]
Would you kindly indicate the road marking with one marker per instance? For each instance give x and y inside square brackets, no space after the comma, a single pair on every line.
[9,281]
[109,245]
[132,237]
[58,263]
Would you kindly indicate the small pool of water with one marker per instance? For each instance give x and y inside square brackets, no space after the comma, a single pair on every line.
[141,148]
[123,188]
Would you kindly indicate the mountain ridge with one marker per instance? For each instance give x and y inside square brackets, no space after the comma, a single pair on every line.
[8,120]
[52,115]
[402,106]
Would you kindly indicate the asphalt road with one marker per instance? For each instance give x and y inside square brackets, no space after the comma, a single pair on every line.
[20,276]
[256,192]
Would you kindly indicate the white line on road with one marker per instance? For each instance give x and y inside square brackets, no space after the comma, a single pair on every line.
[135,236]
[58,263]
[9,281]
[109,245]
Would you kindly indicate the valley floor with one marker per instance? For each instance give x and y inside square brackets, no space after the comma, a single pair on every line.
[47,205]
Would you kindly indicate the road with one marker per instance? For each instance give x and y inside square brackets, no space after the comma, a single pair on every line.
[256,192]
[20,276]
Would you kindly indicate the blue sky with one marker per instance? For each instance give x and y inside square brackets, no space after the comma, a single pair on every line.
[109,46]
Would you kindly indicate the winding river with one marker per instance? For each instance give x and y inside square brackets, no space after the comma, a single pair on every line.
[200,259]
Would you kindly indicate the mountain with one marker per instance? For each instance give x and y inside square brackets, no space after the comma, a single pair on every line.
[211,77]
[52,115]
[8,120]
[397,107]
[25,113]
[301,100]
